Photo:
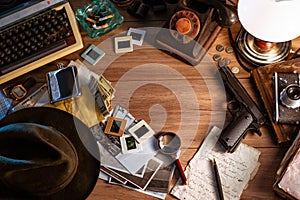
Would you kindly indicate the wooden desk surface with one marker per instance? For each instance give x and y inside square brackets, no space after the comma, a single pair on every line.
[150,98]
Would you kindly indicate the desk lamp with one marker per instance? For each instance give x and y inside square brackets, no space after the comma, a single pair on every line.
[268,26]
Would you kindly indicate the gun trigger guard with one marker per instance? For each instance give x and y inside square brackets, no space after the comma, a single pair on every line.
[259,132]
[255,129]
[233,106]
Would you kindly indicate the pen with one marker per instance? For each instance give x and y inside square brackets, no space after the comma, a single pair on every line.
[218,179]
[181,172]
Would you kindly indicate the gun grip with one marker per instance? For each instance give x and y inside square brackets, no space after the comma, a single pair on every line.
[232,135]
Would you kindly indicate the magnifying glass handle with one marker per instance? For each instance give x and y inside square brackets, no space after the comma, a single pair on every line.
[181,172]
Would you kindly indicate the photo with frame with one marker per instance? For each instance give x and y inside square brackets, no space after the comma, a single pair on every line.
[138,35]
[141,131]
[123,44]
[122,113]
[92,54]
[115,126]
[129,144]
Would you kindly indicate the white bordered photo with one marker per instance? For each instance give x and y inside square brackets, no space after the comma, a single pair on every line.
[123,44]
[122,113]
[137,35]
[129,144]
[141,131]
[92,54]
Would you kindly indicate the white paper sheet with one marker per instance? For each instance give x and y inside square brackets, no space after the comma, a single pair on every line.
[135,161]
[235,171]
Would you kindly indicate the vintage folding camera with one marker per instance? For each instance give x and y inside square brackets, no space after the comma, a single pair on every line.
[63,84]
[287,97]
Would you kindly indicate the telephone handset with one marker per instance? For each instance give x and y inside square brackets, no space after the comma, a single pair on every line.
[224,14]
[193,27]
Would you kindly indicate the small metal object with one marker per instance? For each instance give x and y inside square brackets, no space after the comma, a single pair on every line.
[253,55]
[290,96]
[227,61]
[222,63]
[220,48]
[60,65]
[287,97]
[217,57]
[235,70]
[283,80]
[229,50]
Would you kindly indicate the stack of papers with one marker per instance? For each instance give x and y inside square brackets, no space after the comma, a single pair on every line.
[145,170]
[236,169]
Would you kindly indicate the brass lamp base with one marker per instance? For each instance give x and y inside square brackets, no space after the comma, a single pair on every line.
[258,52]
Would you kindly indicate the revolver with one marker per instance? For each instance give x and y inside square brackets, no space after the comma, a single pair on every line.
[246,116]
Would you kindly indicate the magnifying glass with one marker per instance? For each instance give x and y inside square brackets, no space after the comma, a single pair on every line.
[169,144]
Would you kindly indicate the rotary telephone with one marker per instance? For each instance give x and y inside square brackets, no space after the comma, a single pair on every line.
[193,27]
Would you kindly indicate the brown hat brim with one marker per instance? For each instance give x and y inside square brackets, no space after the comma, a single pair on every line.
[81,137]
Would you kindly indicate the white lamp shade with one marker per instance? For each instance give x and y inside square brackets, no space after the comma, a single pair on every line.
[270,20]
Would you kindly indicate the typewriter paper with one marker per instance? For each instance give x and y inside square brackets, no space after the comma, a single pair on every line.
[235,169]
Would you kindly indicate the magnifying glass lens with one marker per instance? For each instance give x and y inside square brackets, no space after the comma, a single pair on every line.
[169,143]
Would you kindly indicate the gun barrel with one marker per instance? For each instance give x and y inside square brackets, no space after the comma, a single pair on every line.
[240,93]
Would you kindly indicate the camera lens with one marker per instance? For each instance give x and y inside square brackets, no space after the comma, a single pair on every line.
[293,92]
[290,96]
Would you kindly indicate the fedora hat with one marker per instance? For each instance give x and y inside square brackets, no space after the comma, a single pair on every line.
[46,153]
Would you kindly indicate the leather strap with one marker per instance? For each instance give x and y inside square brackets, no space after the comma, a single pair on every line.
[24,86]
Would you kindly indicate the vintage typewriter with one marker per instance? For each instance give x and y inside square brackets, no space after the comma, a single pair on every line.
[34,33]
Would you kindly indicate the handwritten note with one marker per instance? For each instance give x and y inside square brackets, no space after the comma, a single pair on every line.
[236,169]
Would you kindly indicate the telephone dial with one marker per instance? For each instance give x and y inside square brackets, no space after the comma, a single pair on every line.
[193,27]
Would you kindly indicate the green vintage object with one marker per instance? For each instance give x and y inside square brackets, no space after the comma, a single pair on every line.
[99,18]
